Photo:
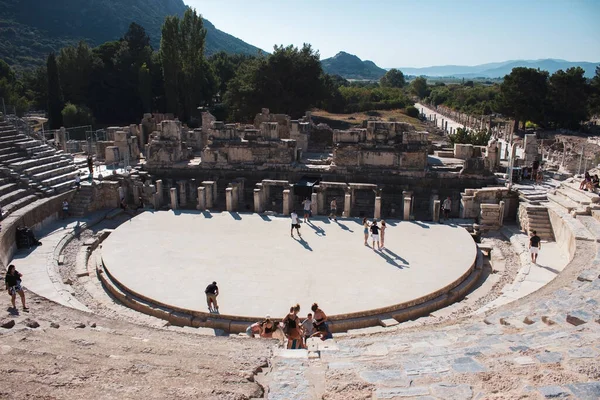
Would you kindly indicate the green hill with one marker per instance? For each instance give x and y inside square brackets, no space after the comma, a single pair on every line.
[350,66]
[30,29]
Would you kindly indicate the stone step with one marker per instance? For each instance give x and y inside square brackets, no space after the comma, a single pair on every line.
[8,132]
[575,186]
[574,195]
[43,148]
[564,202]
[7,188]
[46,167]
[596,214]
[12,196]
[28,144]
[10,156]
[33,162]
[7,139]
[41,176]
[592,224]
[63,186]
[14,160]
[46,153]
[19,203]
[70,176]
[6,150]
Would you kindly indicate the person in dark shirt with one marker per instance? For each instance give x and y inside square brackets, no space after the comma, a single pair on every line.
[535,244]
[212,291]
[375,234]
[12,280]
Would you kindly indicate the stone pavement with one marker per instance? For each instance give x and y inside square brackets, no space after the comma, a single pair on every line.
[428,112]
[545,345]
[39,265]
[171,257]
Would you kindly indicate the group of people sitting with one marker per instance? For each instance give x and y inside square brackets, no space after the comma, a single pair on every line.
[590,182]
[295,332]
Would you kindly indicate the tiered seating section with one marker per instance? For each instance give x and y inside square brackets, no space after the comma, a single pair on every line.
[30,169]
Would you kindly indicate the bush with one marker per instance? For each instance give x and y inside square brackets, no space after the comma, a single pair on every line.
[477,138]
[412,111]
[76,115]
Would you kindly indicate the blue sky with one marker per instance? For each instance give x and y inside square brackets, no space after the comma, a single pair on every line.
[398,33]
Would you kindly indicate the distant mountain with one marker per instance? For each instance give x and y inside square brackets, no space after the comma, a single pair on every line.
[30,29]
[350,66]
[500,69]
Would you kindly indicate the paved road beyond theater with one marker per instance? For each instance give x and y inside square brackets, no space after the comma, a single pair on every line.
[172,256]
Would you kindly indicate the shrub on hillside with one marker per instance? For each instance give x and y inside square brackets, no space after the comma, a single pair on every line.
[412,111]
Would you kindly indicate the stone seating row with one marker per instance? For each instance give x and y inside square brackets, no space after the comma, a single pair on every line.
[38,166]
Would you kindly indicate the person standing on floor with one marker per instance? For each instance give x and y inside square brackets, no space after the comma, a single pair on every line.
[212,291]
[78,181]
[295,224]
[65,209]
[383,227]
[535,244]
[90,164]
[446,207]
[375,234]
[293,330]
[306,205]
[366,230]
[333,209]
[12,280]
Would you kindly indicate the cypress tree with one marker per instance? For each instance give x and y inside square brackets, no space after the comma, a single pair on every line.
[55,100]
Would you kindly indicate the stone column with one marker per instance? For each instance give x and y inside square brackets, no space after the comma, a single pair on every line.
[321,202]
[182,193]
[466,206]
[258,207]
[174,204]
[266,192]
[286,202]
[159,191]
[156,201]
[436,210]
[209,194]
[446,128]
[442,124]
[377,213]
[236,195]
[314,206]
[501,214]
[201,198]
[407,201]
[347,205]
[229,199]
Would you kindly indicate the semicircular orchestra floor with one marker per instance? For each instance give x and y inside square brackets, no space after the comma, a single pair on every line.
[171,256]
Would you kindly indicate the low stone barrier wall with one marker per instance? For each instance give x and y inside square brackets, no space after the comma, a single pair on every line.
[34,216]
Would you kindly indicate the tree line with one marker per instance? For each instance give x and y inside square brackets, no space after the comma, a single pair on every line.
[118,81]
[564,99]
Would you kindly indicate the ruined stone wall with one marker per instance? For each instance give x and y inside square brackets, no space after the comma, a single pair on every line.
[422,184]
[283,121]
[249,152]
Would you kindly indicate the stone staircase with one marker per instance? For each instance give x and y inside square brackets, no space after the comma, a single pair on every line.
[49,171]
[81,201]
[539,221]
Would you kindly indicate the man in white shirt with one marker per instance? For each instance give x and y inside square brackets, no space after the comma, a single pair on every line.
[446,207]
[306,204]
[295,224]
